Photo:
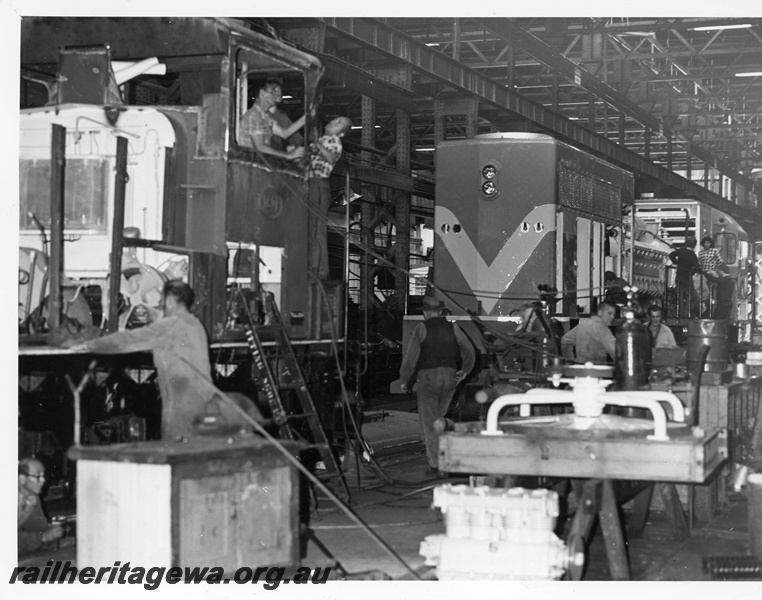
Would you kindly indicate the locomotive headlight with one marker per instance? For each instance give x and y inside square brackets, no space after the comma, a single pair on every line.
[489,188]
[489,172]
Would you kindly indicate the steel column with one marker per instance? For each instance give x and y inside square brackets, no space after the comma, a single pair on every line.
[439,121]
[115,274]
[402,214]
[57,186]
[368,138]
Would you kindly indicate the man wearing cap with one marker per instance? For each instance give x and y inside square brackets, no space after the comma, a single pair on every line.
[442,355]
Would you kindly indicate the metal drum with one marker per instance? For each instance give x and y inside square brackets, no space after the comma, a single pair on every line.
[712,333]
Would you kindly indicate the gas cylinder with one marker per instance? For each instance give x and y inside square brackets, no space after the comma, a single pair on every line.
[633,354]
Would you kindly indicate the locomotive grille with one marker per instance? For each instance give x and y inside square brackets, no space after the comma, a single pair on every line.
[586,193]
[607,200]
[568,188]
[589,194]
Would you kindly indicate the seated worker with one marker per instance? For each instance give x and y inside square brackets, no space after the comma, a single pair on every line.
[591,340]
[661,335]
[34,529]
[258,124]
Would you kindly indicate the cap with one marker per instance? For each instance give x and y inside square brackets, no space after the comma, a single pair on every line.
[431,303]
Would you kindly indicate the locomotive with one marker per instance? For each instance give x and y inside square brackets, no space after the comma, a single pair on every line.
[198,202]
[524,218]
[131,128]
[517,212]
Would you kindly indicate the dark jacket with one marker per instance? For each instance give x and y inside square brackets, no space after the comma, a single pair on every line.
[686,261]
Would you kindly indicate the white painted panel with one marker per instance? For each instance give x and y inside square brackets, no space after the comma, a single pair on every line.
[560,252]
[597,259]
[123,514]
[583,263]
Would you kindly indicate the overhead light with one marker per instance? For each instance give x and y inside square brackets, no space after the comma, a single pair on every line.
[360,127]
[287,97]
[750,74]
[425,149]
[718,27]
[432,44]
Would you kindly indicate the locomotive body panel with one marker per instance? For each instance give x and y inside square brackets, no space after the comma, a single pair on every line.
[515,211]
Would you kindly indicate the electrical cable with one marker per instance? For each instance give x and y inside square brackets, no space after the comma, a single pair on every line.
[294,461]
[345,395]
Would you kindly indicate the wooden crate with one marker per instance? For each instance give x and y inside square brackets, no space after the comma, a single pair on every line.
[207,502]
[733,407]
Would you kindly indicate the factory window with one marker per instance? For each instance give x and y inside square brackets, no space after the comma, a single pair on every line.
[727,244]
[85,194]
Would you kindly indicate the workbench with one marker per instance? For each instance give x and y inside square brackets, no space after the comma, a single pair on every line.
[593,458]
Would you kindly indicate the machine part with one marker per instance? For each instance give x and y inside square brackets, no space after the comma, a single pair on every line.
[575,550]
[732,567]
[588,397]
[633,354]
[712,333]
[498,534]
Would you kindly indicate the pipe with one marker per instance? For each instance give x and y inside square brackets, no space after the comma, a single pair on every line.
[57,186]
[126,70]
[544,396]
[678,410]
[115,273]
[548,397]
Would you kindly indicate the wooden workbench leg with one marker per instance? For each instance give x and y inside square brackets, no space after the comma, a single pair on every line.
[640,505]
[587,494]
[613,536]
[674,508]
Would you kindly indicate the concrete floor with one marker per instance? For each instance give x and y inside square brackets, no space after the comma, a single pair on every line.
[402,516]
[400,513]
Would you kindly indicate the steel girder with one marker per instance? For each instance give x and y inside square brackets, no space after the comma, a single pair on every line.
[513,34]
[374,34]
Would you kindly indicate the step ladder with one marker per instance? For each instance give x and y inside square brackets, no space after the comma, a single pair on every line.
[277,373]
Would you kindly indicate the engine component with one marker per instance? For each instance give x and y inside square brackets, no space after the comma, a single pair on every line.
[732,567]
[498,534]
[633,354]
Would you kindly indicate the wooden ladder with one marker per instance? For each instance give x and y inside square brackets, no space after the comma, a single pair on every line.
[277,372]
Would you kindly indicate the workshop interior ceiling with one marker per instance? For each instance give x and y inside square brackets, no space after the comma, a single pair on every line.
[650,84]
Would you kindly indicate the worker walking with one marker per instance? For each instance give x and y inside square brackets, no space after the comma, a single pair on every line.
[442,355]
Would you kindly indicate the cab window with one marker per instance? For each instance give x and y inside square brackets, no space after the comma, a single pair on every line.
[727,244]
